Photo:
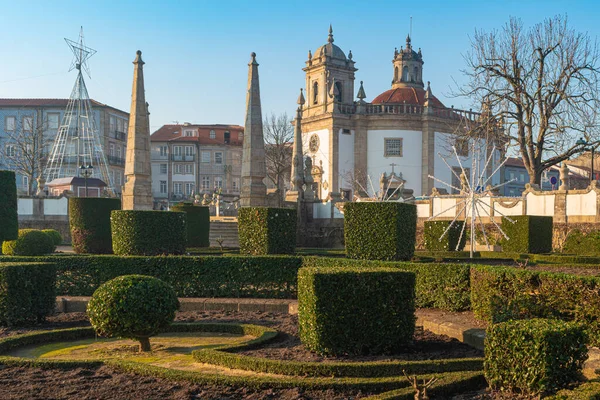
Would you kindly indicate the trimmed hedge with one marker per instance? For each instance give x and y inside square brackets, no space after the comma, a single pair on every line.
[89,221]
[267,230]
[582,244]
[585,391]
[148,233]
[433,231]
[536,356]
[31,242]
[528,234]
[9,219]
[27,292]
[54,235]
[380,230]
[500,294]
[198,224]
[443,286]
[355,310]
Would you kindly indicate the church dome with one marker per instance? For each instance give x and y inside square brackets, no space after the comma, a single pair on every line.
[406,95]
[330,49]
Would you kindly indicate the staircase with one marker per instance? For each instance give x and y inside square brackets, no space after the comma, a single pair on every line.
[226,228]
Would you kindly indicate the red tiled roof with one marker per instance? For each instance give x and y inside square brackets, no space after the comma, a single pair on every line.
[173,132]
[514,162]
[405,95]
[47,103]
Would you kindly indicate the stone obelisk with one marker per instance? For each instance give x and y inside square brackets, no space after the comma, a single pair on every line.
[137,193]
[297,175]
[254,191]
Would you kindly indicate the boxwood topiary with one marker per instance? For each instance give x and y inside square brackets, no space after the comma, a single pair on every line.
[31,242]
[528,234]
[148,233]
[356,310]
[265,230]
[582,244]
[433,231]
[54,235]
[198,224]
[535,356]
[89,221]
[9,222]
[134,307]
[380,230]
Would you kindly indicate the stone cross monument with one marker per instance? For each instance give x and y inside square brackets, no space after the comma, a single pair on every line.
[137,193]
[297,175]
[254,191]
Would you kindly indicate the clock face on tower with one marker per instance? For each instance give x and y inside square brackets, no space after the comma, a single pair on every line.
[313,143]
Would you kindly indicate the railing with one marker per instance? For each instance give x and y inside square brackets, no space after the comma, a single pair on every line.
[182,157]
[346,109]
[409,109]
[394,109]
[116,160]
[120,135]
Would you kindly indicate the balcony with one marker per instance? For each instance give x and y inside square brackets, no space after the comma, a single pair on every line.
[116,160]
[182,157]
[120,135]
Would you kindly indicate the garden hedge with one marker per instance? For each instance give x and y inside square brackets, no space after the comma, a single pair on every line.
[500,294]
[380,230]
[534,357]
[198,224]
[355,310]
[89,221]
[528,234]
[582,244]
[31,242]
[27,292]
[267,230]
[54,235]
[148,233]
[9,219]
[433,231]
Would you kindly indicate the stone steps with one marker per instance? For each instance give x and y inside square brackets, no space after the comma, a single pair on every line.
[227,230]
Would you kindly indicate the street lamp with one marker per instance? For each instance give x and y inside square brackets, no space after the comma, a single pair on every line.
[86,171]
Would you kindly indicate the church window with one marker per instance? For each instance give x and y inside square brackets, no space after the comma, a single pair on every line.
[393,147]
[405,74]
[396,74]
[338,91]
[316,93]
[415,77]
[346,132]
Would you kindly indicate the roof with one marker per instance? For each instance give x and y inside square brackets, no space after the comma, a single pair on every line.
[514,162]
[62,103]
[77,181]
[406,95]
[173,133]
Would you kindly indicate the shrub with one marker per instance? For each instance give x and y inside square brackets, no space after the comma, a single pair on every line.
[9,222]
[31,242]
[582,244]
[54,235]
[434,230]
[148,232]
[89,221]
[380,230]
[534,356]
[27,292]
[355,310]
[528,234]
[198,224]
[267,230]
[134,307]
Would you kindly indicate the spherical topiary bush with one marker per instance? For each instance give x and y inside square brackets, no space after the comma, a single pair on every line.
[133,307]
[54,235]
[31,242]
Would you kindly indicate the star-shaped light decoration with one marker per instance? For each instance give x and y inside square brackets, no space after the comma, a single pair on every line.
[81,53]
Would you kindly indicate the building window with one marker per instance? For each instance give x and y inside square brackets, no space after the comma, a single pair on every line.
[218,157]
[177,187]
[213,135]
[235,184]
[163,186]
[338,91]
[462,147]
[405,74]
[163,168]
[206,156]
[346,131]
[393,147]
[189,150]
[227,137]
[9,124]
[189,169]
[119,152]
[53,120]
[28,124]
[11,151]
[113,124]
[111,149]
[163,151]
[189,133]
[206,182]
[315,92]
[522,177]
[218,182]
[396,74]
[26,182]
[121,125]
[511,175]
[189,188]
[177,151]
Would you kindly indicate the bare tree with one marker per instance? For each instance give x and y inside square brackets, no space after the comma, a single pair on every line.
[541,83]
[23,150]
[279,136]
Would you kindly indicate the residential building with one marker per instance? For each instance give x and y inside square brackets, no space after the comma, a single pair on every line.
[45,116]
[189,159]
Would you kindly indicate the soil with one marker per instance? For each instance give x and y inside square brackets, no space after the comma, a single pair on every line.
[107,383]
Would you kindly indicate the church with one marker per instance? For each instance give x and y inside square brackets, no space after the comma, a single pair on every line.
[404,134]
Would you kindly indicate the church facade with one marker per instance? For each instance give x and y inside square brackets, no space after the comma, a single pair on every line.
[404,134]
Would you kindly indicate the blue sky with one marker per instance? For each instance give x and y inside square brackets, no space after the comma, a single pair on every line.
[196,52]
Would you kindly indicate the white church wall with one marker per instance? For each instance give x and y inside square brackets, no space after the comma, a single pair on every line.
[444,207]
[25,206]
[540,205]
[322,153]
[505,209]
[409,164]
[56,206]
[346,159]
[423,211]
[581,204]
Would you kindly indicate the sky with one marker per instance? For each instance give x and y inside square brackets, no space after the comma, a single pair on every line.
[196,52]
